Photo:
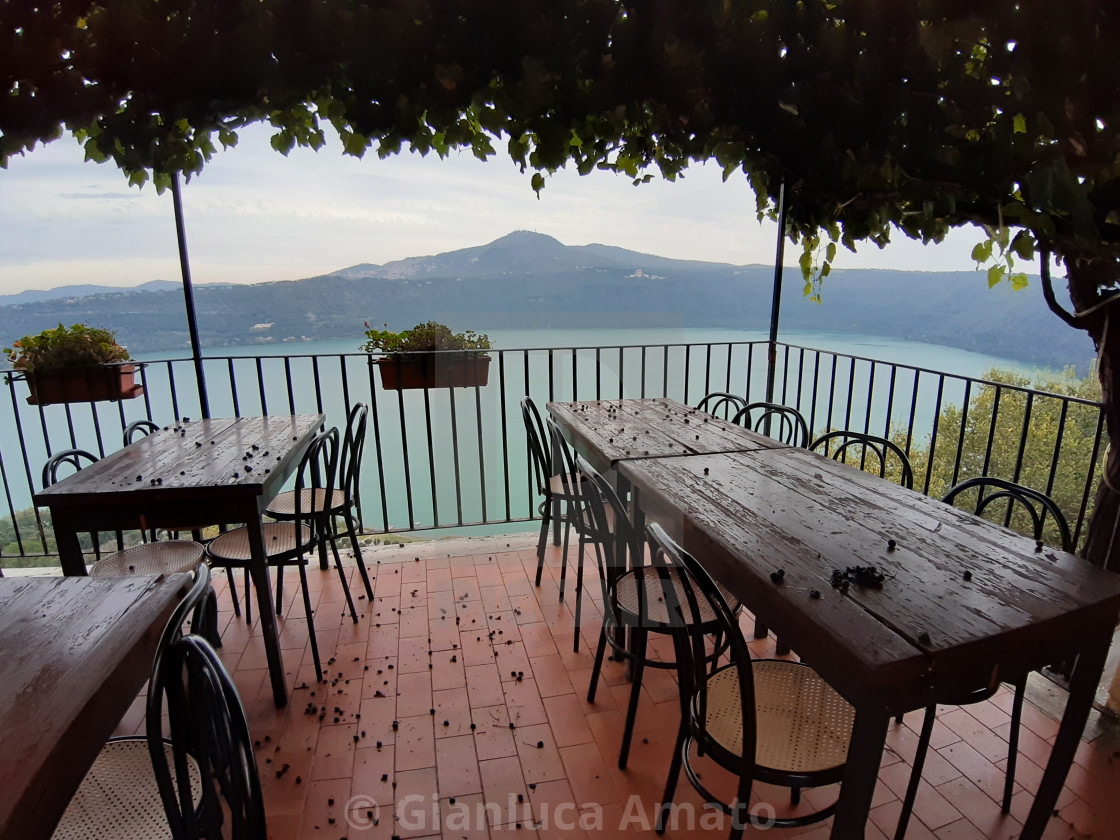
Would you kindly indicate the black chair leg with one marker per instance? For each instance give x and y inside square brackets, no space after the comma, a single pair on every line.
[761,631]
[564,555]
[671,782]
[579,590]
[916,775]
[248,598]
[638,639]
[233,591]
[310,624]
[543,540]
[342,576]
[795,796]
[279,590]
[352,532]
[1013,743]
[598,666]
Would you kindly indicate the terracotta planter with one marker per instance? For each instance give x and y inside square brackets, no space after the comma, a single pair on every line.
[433,370]
[107,382]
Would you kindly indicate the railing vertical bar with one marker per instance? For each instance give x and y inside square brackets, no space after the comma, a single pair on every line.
[288,384]
[992,429]
[851,392]
[383,489]
[1027,409]
[750,369]
[481,451]
[621,373]
[575,373]
[665,371]
[174,391]
[890,402]
[431,458]
[455,455]
[643,372]
[551,377]
[687,369]
[913,412]
[233,389]
[831,394]
[870,397]
[816,389]
[504,423]
[407,461]
[707,372]
[727,370]
[344,376]
[964,428]
[933,433]
[1090,476]
[1058,439]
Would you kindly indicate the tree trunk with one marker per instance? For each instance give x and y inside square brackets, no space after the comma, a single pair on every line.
[1101,319]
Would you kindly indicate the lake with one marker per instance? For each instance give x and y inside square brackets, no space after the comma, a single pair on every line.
[458,455]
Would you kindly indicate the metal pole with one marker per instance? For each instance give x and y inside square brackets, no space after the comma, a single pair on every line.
[776,299]
[188,294]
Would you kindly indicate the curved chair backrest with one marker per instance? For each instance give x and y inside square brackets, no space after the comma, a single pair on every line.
[721,404]
[350,458]
[538,443]
[1036,505]
[141,428]
[67,461]
[569,477]
[855,447]
[318,470]
[778,421]
[610,523]
[691,593]
[207,722]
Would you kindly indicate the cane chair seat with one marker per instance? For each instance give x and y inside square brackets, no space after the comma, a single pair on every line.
[119,796]
[804,726]
[156,558]
[628,594]
[280,538]
[284,505]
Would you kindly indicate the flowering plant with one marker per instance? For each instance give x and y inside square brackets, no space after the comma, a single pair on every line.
[421,338]
[65,348]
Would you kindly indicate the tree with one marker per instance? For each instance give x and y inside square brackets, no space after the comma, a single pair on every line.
[873,117]
[1050,449]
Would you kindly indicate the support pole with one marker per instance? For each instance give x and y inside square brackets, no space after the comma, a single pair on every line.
[188,295]
[776,298]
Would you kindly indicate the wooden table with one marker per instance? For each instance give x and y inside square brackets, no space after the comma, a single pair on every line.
[606,432]
[219,470]
[76,653]
[928,634]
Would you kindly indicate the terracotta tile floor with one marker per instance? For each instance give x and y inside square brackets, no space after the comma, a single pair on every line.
[456,708]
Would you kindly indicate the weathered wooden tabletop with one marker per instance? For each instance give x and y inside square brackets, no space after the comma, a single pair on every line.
[199,471]
[609,431]
[964,604]
[76,651]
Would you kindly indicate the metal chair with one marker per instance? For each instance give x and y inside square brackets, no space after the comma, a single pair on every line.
[775,420]
[288,542]
[770,719]
[857,446]
[343,500]
[550,483]
[196,783]
[632,598]
[143,428]
[722,404]
[1038,506]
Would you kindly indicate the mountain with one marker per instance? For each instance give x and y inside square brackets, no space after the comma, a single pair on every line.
[37,295]
[531,280]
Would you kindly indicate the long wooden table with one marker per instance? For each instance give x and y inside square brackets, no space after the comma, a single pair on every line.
[218,470]
[76,653]
[928,635]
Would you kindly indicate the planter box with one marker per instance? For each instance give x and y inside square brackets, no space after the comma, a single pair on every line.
[108,382]
[434,370]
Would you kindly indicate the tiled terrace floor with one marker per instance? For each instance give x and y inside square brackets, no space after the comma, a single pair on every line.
[458,687]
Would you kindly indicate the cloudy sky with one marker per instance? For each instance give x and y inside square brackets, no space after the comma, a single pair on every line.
[254,215]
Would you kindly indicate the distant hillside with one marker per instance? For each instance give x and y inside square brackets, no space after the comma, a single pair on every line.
[37,295]
[528,279]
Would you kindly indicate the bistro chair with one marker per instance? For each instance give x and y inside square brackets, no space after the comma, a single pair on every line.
[722,404]
[887,460]
[632,598]
[165,557]
[769,720]
[341,501]
[778,421]
[201,781]
[550,483]
[288,542]
[139,428]
[1037,507]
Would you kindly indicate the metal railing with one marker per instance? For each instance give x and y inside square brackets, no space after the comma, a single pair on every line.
[456,458]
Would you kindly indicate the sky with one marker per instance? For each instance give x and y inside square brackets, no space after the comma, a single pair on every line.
[253,215]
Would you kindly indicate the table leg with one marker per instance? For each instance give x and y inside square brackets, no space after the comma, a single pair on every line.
[266,613]
[1082,689]
[69,549]
[861,772]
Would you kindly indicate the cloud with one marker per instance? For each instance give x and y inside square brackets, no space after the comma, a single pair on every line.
[255,215]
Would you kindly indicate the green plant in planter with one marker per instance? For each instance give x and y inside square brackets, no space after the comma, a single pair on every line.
[64,349]
[424,337]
